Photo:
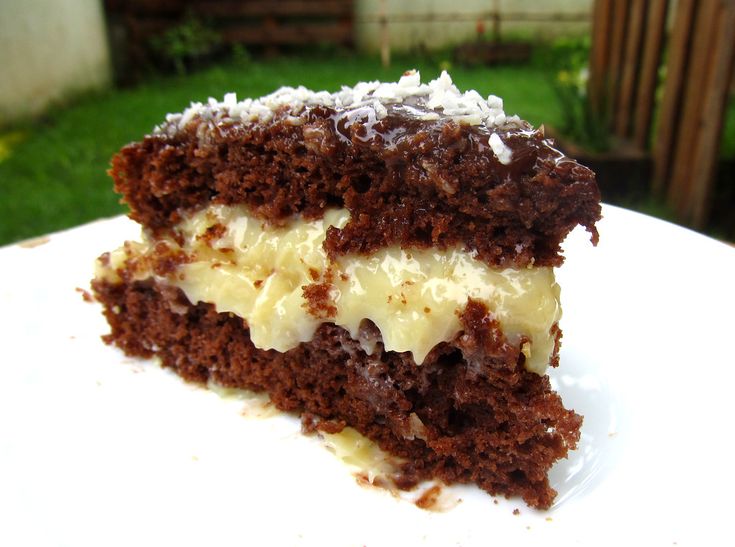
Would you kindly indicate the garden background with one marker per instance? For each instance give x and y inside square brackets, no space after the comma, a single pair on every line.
[84,77]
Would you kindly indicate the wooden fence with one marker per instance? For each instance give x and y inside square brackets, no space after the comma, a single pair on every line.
[629,41]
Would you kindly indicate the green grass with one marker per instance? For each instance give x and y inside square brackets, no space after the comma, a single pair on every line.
[53,171]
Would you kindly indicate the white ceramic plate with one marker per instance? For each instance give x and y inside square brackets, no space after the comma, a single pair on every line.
[98,449]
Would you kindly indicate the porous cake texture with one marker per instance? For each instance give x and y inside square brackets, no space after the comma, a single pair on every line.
[379,258]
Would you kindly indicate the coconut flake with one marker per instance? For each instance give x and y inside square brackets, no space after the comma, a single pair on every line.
[500,149]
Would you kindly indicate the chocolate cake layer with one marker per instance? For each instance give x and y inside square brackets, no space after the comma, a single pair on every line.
[408,175]
[470,413]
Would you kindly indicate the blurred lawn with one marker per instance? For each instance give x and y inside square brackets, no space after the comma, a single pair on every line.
[53,171]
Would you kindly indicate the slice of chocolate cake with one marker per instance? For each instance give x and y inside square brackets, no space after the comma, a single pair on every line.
[379,258]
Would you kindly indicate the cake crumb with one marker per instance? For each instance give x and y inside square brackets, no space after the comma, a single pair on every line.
[516,511]
[86,295]
[428,499]
[213,233]
[379,482]
[318,300]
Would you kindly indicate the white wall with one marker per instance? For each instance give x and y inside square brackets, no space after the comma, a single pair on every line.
[49,49]
[438,34]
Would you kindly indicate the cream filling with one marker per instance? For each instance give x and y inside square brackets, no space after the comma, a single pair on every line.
[259,272]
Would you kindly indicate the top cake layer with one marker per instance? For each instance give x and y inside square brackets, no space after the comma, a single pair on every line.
[418,165]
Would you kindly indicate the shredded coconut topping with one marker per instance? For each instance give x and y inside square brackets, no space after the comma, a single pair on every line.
[424,101]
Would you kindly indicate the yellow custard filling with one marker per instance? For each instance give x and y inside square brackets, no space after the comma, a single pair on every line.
[258,272]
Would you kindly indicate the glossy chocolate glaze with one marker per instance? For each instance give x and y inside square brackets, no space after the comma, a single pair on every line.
[405,179]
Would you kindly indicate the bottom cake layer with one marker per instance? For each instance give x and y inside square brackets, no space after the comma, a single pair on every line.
[470,413]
